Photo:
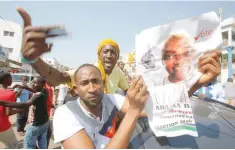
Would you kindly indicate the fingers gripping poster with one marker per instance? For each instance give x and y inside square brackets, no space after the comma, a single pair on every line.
[167,58]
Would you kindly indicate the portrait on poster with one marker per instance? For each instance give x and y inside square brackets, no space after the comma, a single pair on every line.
[176,57]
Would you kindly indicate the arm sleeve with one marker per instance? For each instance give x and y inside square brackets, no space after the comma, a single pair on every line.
[123,82]
[65,124]
[117,100]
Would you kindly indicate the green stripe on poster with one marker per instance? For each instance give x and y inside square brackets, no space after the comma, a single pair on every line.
[185,127]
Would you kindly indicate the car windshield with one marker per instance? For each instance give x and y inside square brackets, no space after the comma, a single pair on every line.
[17,78]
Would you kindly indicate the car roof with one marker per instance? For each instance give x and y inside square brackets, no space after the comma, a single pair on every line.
[24,74]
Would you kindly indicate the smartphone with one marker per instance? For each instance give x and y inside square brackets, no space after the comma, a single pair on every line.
[57,32]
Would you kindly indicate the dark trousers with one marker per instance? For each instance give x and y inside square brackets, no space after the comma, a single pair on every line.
[21,121]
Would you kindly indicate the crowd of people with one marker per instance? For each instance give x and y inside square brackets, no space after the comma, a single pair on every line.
[98,106]
[218,92]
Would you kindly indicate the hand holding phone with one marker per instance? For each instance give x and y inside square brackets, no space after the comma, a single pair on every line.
[34,39]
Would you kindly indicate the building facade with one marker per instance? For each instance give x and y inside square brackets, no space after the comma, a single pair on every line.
[10,43]
[228,52]
[56,64]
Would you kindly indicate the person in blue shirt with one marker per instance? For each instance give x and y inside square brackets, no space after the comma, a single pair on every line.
[213,90]
[23,93]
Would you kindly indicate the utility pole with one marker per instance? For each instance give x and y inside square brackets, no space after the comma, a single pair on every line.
[220,12]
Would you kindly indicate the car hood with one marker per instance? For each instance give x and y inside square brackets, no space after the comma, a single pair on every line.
[215,124]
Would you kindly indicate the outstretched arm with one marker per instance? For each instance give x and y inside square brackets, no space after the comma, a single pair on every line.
[12,111]
[54,76]
[21,105]
[28,88]
[34,45]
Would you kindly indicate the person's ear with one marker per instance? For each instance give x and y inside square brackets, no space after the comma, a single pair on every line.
[75,89]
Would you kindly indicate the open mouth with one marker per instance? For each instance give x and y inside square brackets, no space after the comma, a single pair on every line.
[179,68]
[108,64]
[182,67]
[183,70]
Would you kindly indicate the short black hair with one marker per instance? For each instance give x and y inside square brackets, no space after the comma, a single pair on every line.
[4,76]
[41,79]
[85,65]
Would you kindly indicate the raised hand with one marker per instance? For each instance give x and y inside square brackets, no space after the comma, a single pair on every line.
[137,95]
[34,38]
[209,65]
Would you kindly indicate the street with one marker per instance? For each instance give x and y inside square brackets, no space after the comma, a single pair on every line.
[21,138]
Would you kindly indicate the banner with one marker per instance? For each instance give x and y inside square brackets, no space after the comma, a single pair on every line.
[167,57]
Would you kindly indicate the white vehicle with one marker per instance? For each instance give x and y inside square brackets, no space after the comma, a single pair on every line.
[16,78]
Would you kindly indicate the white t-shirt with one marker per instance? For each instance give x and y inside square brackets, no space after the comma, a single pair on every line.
[63,90]
[69,119]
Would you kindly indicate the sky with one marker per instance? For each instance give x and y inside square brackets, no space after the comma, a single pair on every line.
[92,21]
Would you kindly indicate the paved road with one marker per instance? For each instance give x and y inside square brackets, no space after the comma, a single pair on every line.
[21,138]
